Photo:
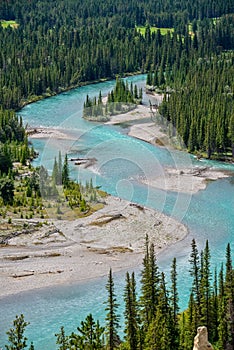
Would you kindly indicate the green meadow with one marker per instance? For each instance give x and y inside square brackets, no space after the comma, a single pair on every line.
[163,31]
[11,23]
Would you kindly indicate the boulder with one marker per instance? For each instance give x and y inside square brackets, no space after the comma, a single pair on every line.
[201,340]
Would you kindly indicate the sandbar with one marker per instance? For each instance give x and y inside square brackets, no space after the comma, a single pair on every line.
[63,252]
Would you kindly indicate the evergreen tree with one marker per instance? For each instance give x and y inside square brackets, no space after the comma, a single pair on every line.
[91,334]
[62,339]
[195,273]
[229,298]
[131,313]
[60,168]
[206,288]
[55,173]
[65,172]
[160,331]
[112,318]
[5,161]
[174,299]
[16,337]
[7,190]
[149,284]
[213,331]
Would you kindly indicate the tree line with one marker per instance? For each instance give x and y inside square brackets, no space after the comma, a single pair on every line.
[152,320]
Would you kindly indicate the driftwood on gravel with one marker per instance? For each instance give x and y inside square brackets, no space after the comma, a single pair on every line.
[106,219]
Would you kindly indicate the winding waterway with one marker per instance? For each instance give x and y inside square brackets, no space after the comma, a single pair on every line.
[121,161]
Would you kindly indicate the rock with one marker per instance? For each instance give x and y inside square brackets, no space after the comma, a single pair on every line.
[201,340]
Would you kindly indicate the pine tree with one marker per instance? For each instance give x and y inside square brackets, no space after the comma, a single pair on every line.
[55,174]
[195,273]
[62,339]
[60,168]
[65,172]
[100,98]
[112,318]
[149,284]
[16,336]
[174,299]
[188,328]
[205,288]
[7,190]
[160,331]
[91,334]
[229,298]
[213,331]
[131,314]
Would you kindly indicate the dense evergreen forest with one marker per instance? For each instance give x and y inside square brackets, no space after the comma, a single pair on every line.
[61,44]
[152,320]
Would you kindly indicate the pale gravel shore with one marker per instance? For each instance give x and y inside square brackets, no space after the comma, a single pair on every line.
[141,112]
[149,132]
[50,133]
[187,180]
[86,248]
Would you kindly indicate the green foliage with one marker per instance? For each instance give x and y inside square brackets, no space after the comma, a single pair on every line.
[91,334]
[163,31]
[10,23]
[120,100]
[132,327]
[62,340]
[16,338]
[65,172]
[89,337]
[112,318]
[149,285]
[5,161]
[11,128]
[7,190]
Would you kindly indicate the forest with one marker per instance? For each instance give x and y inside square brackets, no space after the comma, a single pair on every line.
[56,45]
[53,49]
[152,319]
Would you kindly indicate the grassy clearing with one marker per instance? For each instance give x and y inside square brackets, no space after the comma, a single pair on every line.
[163,31]
[11,24]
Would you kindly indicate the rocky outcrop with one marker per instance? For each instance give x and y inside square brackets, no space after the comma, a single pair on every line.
[201,340]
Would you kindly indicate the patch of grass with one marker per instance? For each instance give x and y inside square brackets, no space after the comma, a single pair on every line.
[11,24]
[163,31]
[190,30]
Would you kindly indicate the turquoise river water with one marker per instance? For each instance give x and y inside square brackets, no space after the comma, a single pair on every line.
[121,162]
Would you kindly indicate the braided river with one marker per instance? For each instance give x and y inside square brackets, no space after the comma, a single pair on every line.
[121,161]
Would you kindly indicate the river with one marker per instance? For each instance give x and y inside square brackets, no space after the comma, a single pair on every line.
[209,214]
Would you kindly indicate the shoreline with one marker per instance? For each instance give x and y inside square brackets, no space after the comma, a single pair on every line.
[66,252]
[37,98]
